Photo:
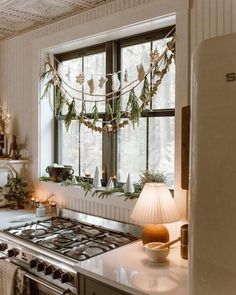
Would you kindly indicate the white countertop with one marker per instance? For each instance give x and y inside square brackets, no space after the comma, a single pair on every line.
[127,268]
[6,215]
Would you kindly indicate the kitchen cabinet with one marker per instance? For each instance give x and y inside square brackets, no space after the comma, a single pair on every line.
[93,287]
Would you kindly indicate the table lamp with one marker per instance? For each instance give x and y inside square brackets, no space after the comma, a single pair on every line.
[154,206]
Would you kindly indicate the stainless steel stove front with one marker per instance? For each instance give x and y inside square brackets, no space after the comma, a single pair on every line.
[47,275]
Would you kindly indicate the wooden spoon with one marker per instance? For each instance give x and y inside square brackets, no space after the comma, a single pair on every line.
[163,246]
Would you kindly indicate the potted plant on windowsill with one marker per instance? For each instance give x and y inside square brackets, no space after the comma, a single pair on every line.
[16,192]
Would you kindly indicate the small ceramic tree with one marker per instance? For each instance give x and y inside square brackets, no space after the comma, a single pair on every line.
[16,191]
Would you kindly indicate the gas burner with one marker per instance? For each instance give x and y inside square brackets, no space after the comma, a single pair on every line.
[91,232]
[61,223]
[117,240]
[47,244]
[32,233]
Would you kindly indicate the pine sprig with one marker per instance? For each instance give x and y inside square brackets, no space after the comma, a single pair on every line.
[59,102]
[95,114]
[118,110]
[135,110]
[71,114]
[109,111]
[47,87]
[145,93]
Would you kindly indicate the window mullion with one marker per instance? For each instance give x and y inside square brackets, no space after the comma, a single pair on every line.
[109,140]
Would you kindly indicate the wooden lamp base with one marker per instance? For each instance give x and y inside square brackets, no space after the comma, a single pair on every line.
[155,233]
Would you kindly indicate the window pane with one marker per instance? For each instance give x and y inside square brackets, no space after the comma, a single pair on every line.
[80,147]
[131,56]
[165,97]
[161,147]
[95,68]
[68,71]
[131,157]
[69,145]
[91,150]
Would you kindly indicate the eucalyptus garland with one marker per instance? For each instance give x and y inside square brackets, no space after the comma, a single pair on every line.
[115,117]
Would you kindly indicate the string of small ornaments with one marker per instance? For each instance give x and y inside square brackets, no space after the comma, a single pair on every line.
[115,117]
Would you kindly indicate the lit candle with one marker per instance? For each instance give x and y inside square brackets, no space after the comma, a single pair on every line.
[37,202]
[53,207]
[32,201]
[53,204]
[114,179]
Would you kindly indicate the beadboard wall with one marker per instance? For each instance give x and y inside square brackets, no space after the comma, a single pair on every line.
[73,197]
[21,62]
[211,18]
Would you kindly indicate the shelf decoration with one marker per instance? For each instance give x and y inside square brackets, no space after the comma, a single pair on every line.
[96,179]
[115,117]
[129,187]
[110,184]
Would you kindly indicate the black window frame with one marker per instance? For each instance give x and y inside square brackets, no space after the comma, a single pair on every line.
[113,64]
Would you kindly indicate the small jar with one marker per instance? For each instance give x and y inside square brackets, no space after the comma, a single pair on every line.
[40,211]
[184,241]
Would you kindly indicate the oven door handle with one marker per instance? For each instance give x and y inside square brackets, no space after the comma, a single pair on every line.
[49,286]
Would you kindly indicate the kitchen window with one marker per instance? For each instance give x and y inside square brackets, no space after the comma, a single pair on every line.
[150,145]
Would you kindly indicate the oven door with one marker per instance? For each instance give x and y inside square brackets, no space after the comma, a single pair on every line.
[40,287]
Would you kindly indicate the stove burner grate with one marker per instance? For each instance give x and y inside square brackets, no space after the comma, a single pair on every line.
[74,239]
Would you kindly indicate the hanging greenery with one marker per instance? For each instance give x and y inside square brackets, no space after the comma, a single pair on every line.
[115,117]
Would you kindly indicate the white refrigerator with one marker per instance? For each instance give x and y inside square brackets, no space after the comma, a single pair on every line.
[213,169]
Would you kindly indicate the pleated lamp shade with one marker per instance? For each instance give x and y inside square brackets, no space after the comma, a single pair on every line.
[154,206]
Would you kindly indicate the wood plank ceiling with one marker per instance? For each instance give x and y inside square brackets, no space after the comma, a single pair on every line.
[19,16]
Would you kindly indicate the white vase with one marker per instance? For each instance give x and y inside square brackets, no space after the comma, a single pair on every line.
[110,183]
[96,179]
[128,187]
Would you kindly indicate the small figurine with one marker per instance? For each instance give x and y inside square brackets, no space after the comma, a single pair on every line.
[14,151]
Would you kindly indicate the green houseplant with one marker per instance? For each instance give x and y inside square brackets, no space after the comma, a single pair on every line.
[16,191]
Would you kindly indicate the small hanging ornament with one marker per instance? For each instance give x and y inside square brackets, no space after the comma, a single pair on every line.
[141,72]
[107,128]
[115,82]
[91,86]
[126,77]
[101,82]
[68,74]
[80,78]
[154,56]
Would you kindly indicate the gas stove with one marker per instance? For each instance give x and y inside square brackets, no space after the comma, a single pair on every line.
[48,250]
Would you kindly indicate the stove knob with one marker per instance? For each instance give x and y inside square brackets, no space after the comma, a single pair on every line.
[56,274]
[12,252]
[66,277]
[3,247]
[49,269]
[33,263]
[41,266]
